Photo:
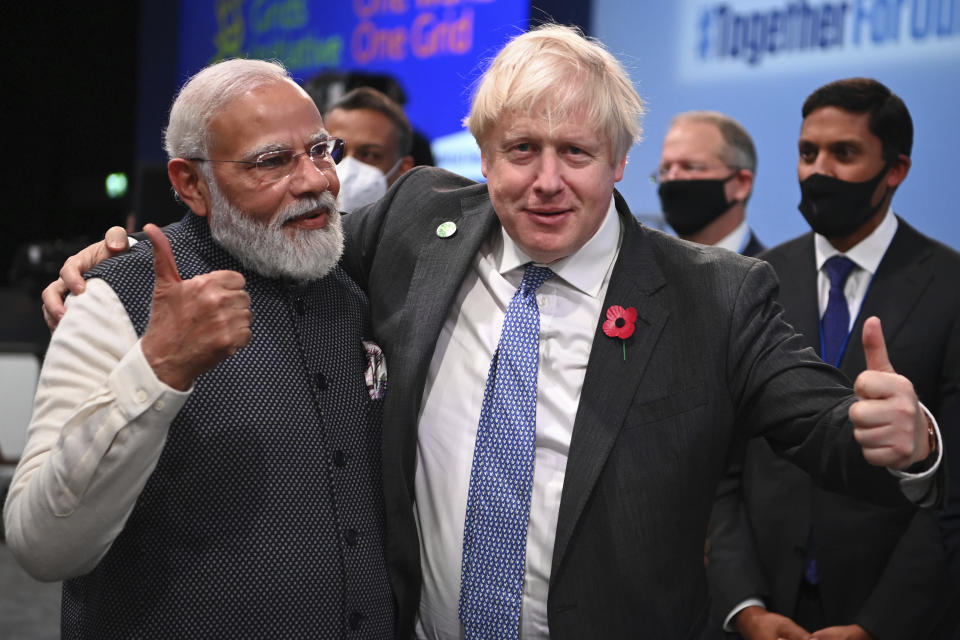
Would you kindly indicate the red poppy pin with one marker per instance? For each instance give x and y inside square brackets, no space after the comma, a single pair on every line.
[620,323]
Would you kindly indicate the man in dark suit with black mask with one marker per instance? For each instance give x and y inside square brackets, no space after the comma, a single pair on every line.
[706,173]
[794,554]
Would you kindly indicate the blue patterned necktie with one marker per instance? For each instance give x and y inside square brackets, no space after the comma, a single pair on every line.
[498,501]
[835,325]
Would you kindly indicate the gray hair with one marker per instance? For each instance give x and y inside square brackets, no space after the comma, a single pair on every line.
[205,94]
[557,69]
[738,151]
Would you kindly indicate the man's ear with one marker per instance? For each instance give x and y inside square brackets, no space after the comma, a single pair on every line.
[899,170]
[743,185]
[405,165]
[189,185]
[619,168]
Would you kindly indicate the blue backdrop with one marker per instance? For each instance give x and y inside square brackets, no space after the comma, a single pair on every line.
[757,60]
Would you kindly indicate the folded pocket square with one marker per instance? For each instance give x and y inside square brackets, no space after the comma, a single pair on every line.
[376,373]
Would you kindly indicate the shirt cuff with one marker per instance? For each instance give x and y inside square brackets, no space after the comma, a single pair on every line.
[749,602]
[918,487]
[137,388]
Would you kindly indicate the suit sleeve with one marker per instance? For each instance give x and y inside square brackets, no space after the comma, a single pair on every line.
[734,571]
[947,413]
[786,394]
[913,579]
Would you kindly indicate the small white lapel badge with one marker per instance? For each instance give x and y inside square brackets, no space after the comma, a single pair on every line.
[446,229]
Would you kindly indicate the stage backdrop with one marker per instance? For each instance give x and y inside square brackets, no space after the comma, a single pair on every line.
[757,60]
[754,59]
[435,48]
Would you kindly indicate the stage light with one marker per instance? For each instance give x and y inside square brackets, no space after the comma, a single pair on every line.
[116,185]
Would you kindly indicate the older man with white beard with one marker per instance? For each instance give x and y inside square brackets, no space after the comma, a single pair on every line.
[205,461]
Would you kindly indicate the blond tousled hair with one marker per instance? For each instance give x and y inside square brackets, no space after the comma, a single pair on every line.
[556,72]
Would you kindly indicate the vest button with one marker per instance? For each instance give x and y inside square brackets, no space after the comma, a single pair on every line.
[339,458]
[356,618]
[321,381]
[300,306]
[351,536]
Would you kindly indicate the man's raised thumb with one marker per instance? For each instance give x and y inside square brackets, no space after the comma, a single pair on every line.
[164,264]
[874,346]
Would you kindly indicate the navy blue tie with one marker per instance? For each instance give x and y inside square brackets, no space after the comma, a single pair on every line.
[498,501]
[834,328]
[835,325]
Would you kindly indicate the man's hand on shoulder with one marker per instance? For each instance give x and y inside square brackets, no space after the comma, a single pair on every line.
[194,324]
[71,273]
[756,623]
[888,421]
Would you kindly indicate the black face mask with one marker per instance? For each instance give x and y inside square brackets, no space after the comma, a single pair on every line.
[836,208]
[690,205]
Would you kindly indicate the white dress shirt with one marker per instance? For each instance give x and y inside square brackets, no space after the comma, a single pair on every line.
[866,257]
[737,239]
[100,419]
[570,304]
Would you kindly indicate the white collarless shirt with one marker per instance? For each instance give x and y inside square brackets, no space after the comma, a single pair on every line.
[570,305]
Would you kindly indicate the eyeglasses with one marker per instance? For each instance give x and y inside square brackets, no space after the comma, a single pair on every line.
[277,165]
[689,169]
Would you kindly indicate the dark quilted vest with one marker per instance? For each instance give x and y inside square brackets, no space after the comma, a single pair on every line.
[264,515]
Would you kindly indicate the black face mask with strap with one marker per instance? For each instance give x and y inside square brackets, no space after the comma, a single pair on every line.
[690,205]
[836,208]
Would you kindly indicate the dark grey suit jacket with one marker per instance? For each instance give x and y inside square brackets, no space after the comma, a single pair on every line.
[711,362]
[868,556]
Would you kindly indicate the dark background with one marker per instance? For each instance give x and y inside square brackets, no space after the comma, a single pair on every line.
[86,89]
[68,116]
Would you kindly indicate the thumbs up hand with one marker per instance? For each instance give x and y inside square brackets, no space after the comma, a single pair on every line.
[194,324]
[888,421]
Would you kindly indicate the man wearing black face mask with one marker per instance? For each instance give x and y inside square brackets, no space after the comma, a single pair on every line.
[706,175]
[791,558]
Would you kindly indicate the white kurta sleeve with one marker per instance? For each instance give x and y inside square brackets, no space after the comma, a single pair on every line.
[100,420]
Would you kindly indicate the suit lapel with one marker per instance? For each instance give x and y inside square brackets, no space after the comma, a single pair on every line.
[610,382]
[798,291]
[901,277]
[441,267]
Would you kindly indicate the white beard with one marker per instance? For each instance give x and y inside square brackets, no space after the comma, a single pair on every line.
[267,248]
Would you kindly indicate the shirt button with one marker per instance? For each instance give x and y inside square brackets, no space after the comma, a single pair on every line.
[542,301]
[159,405]
[356,618]
[300,306]
[351,536]
[339,458]
[141,395]
[321,381]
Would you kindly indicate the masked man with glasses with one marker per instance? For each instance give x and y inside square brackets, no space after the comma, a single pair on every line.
[705,177]
[793,558]
[204,460]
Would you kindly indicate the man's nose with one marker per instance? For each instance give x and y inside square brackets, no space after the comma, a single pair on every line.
[549,179]
[307,177]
